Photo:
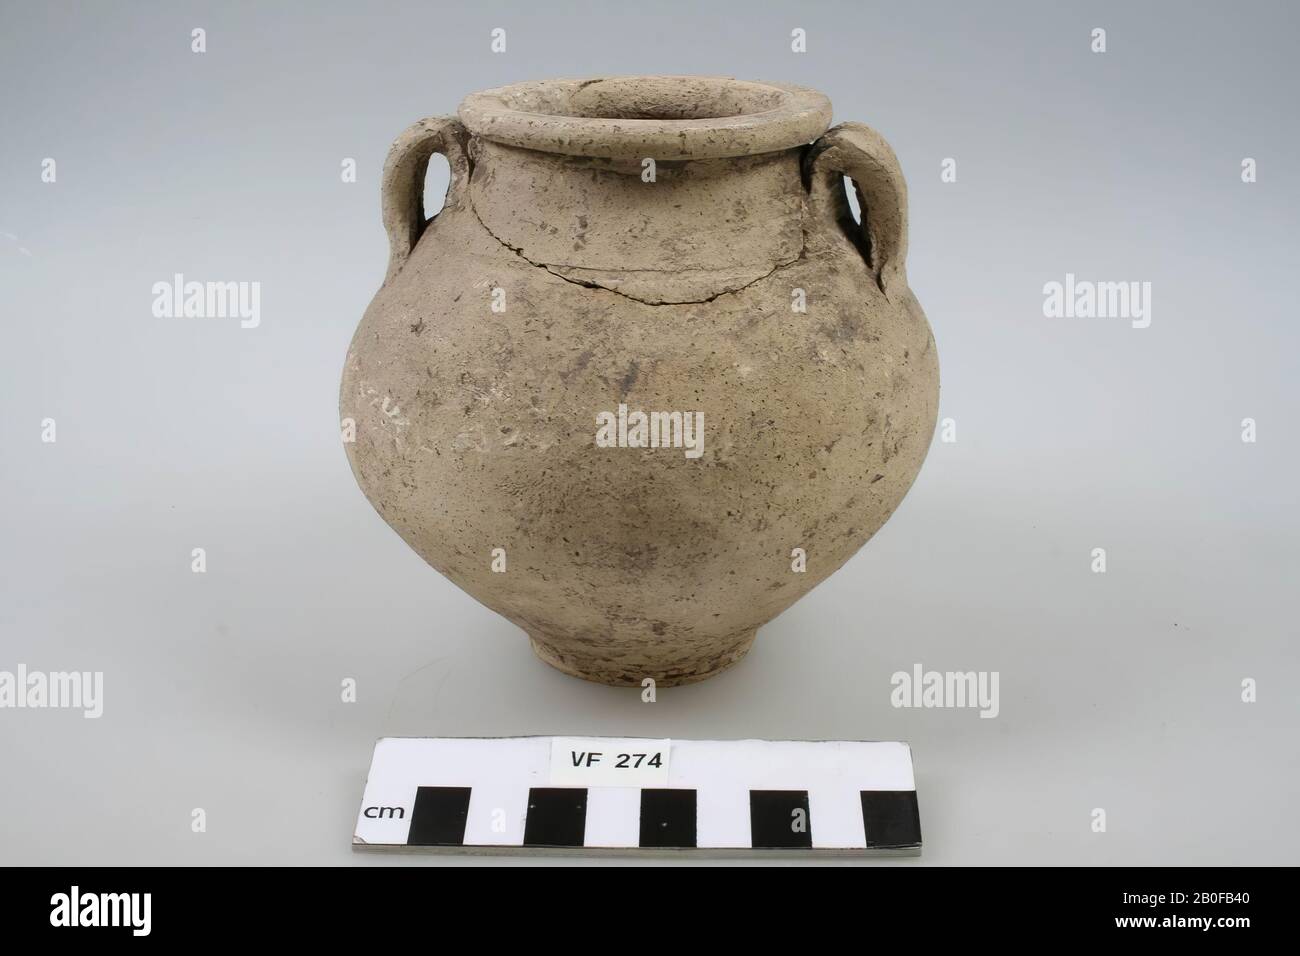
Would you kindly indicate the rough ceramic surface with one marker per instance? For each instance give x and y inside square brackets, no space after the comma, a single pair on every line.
[476,428]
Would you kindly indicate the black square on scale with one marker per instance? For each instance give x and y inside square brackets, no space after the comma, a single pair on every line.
[778,819]
[438,817]
[667,818]
[557,816]
[891,818]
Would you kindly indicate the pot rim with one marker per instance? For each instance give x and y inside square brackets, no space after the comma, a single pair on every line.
[661,117]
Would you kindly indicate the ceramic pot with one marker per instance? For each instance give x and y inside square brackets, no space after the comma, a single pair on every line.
[643,382]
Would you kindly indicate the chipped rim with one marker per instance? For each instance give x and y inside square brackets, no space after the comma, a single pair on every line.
[580,117]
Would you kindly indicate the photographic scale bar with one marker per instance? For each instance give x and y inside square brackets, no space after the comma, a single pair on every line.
[713,797]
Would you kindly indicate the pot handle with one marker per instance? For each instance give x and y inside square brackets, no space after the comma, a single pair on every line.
[403,182]
[859,152]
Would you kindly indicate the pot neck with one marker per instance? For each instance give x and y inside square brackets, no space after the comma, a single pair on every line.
[660,231]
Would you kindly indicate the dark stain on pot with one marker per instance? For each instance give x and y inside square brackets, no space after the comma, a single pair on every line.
[635,559]
[629,378]
[579,365]
[848,328]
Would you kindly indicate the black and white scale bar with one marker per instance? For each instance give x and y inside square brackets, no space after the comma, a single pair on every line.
[497,795]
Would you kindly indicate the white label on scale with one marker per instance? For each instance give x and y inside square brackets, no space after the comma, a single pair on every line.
[609,762]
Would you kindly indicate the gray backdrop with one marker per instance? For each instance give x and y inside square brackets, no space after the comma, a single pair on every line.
[1120,691]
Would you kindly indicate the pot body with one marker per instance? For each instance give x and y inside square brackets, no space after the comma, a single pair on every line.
[495,382]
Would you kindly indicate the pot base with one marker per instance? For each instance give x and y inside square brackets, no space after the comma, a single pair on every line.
[630,669]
